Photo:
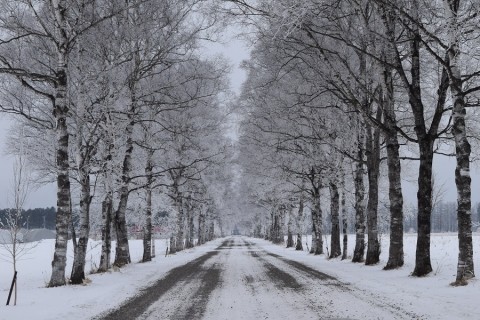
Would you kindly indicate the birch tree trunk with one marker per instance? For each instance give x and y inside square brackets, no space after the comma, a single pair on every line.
[153,252]
[317,241]
[299,245]
[84,153]
[289,227]
[395,252]
[107,203]
[423,264]
[80,252]
[107,212]
[344,217]
[192,230]
[271,233]
[313,248]
[122,253]
[201,227]
[335,212]
[210,225]
[359,252]
[147,229]
[220,225]
[180,226]
[277,225]
[189,242]
[63,181]
[173,245]
[211,230]
[373,170]
[465,266]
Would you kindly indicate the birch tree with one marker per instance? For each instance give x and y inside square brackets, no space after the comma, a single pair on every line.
[441,40]
[46,34]
[465,267]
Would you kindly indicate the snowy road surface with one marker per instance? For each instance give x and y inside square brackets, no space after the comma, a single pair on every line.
[240,280]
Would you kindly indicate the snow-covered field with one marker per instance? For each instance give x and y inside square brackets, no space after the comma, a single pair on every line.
[431,296]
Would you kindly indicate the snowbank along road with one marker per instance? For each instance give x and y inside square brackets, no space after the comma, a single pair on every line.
[240,280]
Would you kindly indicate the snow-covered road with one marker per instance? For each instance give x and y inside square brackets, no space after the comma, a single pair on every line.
[241,280]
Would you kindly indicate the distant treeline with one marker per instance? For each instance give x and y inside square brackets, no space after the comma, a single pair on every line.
[32,218]
[444,218]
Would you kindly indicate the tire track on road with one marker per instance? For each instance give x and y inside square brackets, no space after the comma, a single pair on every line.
[210,281]
[138,305]
[334,285]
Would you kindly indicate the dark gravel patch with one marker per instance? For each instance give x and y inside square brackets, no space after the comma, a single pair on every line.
[282,279]
[210,281]
[300,266]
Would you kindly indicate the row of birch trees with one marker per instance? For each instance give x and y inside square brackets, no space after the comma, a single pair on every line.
[336,90]
[113,101]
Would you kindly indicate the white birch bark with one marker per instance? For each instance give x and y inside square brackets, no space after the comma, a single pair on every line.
[317,241]
[335,249]
[147,229]
[465,267]
[201,225]
[63,181]
[122,252]
[290,226]
[299,224]
[359,251]
[107,203]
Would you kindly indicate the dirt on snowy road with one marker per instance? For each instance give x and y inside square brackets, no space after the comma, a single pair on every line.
[240,280]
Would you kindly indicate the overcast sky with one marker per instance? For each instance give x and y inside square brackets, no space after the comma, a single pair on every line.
[236,52]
